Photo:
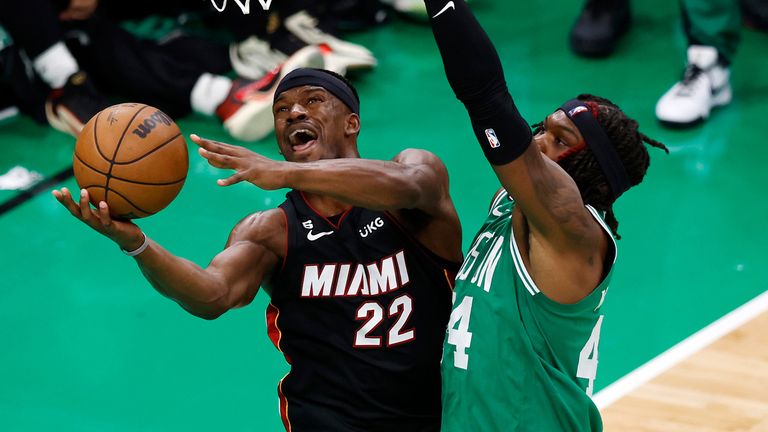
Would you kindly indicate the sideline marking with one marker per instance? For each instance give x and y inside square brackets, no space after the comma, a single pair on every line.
[684,349]
[35,190]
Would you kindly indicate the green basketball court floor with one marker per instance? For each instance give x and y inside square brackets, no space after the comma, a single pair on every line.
[88,345]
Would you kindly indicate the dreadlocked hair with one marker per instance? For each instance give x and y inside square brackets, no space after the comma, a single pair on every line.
[583,167]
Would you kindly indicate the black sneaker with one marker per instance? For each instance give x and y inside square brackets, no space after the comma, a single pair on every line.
[599,27]
[69,108]
[755,14]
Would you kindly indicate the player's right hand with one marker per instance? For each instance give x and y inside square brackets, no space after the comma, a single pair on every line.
[126,234]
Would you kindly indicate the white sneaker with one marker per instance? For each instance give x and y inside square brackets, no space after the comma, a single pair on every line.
[253,119]
[412,8]
[343,55]
[253,58]
[705,85]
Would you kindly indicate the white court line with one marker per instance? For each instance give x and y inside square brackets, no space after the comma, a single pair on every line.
[681,351]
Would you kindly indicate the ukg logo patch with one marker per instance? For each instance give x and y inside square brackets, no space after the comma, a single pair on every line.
[246,8]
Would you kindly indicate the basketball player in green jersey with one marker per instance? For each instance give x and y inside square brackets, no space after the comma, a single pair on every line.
[521,348]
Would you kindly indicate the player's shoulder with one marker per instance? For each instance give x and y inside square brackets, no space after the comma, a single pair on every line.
[260,227]
[415,155]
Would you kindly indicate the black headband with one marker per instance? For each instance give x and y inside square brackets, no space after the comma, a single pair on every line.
[600,144]
[318,77]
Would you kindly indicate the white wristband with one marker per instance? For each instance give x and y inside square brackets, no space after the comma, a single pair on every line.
[140,249]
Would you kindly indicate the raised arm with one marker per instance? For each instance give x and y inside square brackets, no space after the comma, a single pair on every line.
[231,280]
[546,194]
[414,179]
[413,186]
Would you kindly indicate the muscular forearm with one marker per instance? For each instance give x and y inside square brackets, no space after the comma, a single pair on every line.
[372,184]
[198,291]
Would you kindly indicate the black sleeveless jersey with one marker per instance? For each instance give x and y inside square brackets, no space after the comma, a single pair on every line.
[359,309]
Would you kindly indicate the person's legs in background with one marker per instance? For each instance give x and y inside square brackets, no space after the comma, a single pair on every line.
[599,27]
[713,28]
[35,28]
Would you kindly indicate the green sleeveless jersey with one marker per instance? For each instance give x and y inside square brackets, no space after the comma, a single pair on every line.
[514,360]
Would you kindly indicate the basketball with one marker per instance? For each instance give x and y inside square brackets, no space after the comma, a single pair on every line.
[132,156]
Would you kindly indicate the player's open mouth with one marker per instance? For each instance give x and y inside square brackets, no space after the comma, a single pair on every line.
[302,139]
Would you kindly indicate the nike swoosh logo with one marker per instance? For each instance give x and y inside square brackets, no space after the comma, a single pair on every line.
[496,212]
[447,6]
[313,237]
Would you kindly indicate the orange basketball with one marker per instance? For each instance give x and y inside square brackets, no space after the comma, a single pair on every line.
[132,156]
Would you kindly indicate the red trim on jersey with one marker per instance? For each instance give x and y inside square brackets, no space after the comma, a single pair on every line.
[275,335]
[287,239]
[273,330]
[283,406]
[450,277]
[333,225]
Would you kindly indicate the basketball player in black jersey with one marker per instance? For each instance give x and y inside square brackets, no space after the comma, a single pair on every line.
[358,261]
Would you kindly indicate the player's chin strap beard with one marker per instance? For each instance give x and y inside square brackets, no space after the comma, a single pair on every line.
[601,146]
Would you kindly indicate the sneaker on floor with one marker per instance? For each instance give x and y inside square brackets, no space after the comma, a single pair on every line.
[705,85]
[353,56]
[599,27]
[253,58]
[69,108]
[247,110]
[410,8]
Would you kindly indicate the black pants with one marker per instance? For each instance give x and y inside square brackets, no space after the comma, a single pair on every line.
[160,74]
[33,24]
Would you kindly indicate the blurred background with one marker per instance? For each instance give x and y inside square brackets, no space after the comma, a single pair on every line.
[88,345]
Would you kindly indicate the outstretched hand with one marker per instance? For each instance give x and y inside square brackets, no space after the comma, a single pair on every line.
[249,166]
[126,234]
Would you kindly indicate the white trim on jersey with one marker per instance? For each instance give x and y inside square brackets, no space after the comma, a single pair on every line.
[497,199]
[608,230]
[517,258]
[530,285]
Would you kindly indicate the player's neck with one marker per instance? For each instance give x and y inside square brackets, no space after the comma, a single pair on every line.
[325,205]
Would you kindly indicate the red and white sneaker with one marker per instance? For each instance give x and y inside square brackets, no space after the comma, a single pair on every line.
[247,110]
[69,108]
[253,58]
[343,55]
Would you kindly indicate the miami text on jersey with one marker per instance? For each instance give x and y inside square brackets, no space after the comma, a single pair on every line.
[344,280]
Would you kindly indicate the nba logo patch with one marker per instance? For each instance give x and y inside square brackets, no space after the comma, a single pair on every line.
[492,138]
[578,110]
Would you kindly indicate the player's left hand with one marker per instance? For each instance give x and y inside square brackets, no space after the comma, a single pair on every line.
[79,10]
[249,166]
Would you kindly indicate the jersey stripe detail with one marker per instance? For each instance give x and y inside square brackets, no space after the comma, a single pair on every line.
[530,285]
[451,280]
[283,405]
[605,227]
[273,331]
[500,196]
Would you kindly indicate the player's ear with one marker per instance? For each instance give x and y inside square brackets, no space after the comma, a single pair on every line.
[352,125]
